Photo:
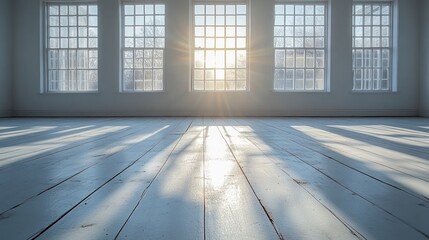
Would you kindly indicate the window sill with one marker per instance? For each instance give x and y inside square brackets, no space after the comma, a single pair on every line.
[373,92]
[59,93]
[301,91]
[141,92]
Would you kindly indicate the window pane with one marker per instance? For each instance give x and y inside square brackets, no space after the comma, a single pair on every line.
[300,54]
[371,46]
[74,67]
[220,47]
[143,47]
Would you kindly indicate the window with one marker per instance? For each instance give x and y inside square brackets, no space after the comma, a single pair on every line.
[143,43]
[220,47]
[71,44]
[300,47]
[372,46]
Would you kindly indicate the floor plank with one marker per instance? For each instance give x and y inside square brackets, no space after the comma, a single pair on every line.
[173,207]
[293,214]
[214,178]
[322,177]
[41,211]
[42,145]
[228,196]
[50,171]
[387,173]
[102,215]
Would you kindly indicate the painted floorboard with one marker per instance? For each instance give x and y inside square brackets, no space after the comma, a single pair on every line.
[49,171]
[102,215]
[387,173]
[40,212]
[173,206]
[228,196]
[293,214]
[214,178]
[323,177]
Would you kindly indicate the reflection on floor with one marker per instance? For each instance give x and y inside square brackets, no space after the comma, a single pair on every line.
[214,178]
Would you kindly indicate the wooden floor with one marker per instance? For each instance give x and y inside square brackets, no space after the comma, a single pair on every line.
[214,178]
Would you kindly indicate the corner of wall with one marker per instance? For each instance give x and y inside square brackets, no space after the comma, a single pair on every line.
[424,114]
[11,54]
[5,58]
[424,59]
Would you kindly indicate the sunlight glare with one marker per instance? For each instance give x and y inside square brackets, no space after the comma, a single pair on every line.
[218,163]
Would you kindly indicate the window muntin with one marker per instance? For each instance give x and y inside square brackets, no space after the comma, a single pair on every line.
[143,43]
[372,46]
[300,40]
[220,46]
[71,49]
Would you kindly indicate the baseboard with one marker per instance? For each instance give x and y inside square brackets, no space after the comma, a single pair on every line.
[5,114]
[261,113]
[424,114]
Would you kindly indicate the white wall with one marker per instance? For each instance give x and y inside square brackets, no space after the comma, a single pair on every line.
[5,58]
[178,100]
[424,59]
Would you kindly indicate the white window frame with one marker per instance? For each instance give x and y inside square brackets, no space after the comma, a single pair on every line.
[124,48]
[326,65]
[391,82]
[45,48]
[193,47]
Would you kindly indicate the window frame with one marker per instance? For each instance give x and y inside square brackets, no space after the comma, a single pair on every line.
[326,68]
[44,46]
[391,81]
[122,47]
[193,48]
